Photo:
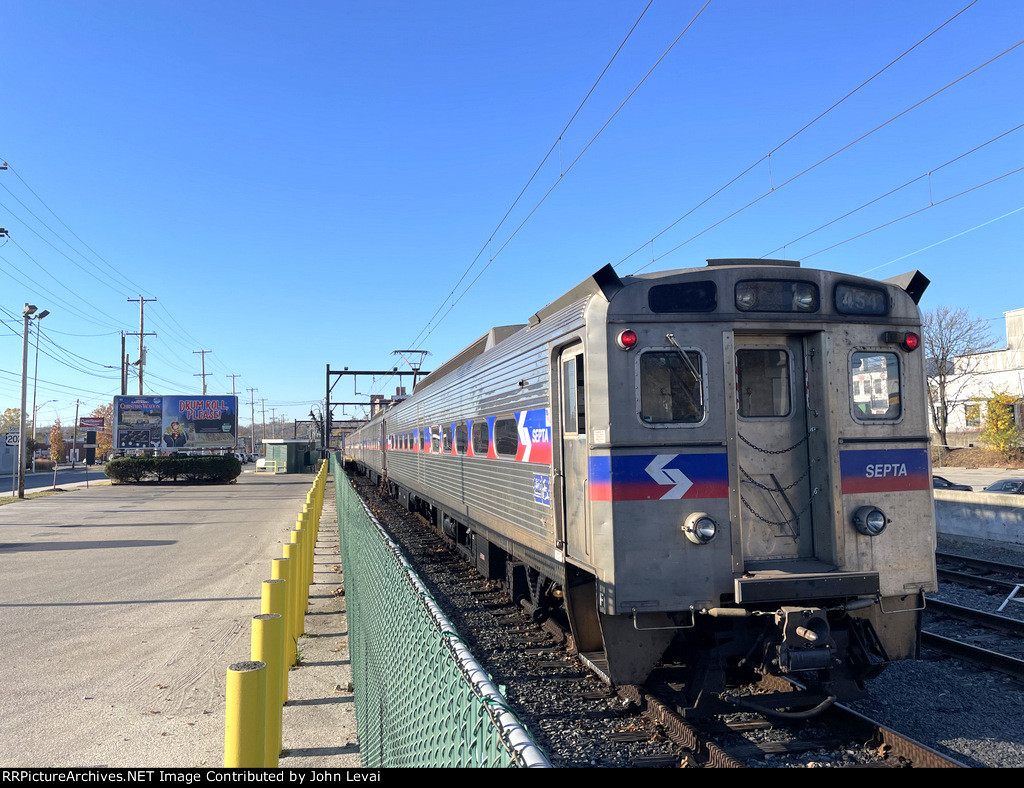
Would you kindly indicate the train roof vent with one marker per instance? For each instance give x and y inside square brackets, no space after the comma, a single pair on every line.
[501,333]
[753,261]
[493,337]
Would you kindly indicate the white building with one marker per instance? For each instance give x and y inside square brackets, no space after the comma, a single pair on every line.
[982,374]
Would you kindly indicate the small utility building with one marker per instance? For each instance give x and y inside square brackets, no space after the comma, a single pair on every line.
[291,456]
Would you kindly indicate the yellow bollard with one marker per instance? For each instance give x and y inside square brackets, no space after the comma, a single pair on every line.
[282,570]
[268,647]
[295,596]
[275,600]
[245,719]
[297,537]
[300,538]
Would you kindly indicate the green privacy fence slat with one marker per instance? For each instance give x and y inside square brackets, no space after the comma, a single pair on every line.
[421,698]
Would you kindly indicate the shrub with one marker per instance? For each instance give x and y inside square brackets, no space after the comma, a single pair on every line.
[216,470]
[1001,431]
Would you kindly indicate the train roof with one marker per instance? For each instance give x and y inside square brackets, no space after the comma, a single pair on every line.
[606,282]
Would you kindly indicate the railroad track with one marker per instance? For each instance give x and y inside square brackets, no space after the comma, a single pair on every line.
[978,573]
[582,722]
[982,637]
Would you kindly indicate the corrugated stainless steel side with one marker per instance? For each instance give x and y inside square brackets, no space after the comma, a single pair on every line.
[511,377]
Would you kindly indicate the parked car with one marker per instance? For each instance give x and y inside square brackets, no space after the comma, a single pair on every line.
[942,483]
[1010,486]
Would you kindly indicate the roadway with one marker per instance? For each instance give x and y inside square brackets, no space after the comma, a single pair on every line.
[42,480]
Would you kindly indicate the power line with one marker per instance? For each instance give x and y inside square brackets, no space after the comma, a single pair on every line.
[817,164]
[889,193]
[561,175]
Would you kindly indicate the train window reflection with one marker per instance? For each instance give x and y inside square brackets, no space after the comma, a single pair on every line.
[875,386]
[671,387]
[762,382]
[481,438]
[461,437]
[506,437]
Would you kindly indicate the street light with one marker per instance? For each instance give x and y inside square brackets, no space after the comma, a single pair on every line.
[35,412]
[27,313]
[35,385]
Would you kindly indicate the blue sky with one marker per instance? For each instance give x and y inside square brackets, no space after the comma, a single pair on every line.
[304,184]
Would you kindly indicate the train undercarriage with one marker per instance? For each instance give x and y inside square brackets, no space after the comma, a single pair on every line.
[827,650]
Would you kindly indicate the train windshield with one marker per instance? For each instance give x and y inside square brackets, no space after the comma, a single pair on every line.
[875,386]
[671,387]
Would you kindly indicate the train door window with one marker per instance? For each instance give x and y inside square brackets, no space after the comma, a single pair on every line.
[481,439]
[574,417]
[506,437]
[671,387]
[763,382]
[879,397]
[461,438]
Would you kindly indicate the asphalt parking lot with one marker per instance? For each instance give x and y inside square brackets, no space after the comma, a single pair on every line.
[123,607]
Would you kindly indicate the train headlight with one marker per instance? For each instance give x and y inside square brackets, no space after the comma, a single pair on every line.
[869,520]
[700,528]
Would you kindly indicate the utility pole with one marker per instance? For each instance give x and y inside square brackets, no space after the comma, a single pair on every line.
[202,355]
[142,333]
[74,443]
[252,419]
[233,383]
[124,367]
[27,312]
[263,404]
[273,422]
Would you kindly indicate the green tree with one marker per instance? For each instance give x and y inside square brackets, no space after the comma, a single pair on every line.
[1001,431]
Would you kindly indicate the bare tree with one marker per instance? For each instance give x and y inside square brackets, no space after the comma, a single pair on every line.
[952,340]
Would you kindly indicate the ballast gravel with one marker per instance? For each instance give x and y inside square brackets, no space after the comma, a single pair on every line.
[973,715]
[968,714]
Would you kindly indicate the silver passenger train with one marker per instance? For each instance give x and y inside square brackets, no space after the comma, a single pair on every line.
[722,468]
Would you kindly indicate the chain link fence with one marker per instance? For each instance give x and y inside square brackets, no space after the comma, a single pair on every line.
[421,698]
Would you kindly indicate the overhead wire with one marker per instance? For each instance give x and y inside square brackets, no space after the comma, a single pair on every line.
[822,161]
[427,330]
[17,274]
[899,188]
[120,274]
[795,134]
[916,212]
[945,240]
[543,161]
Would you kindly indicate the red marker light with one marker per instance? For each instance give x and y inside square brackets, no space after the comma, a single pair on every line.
[627,339]
[909,341]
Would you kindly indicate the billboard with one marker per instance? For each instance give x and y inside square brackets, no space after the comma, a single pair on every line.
[187,421]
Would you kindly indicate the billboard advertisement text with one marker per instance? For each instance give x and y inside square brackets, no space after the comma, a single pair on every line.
[189,421]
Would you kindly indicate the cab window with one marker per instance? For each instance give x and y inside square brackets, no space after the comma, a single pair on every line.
[671,387]
[875,386]
[762,382]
